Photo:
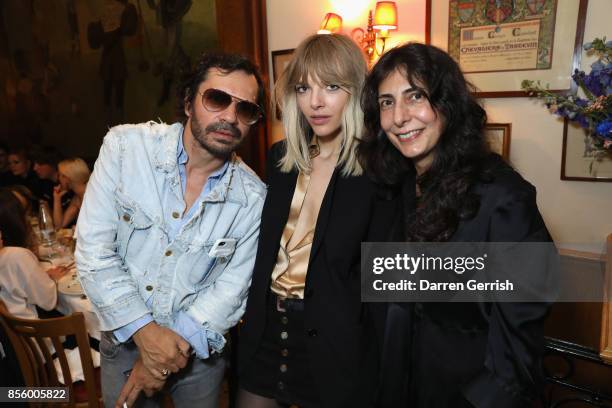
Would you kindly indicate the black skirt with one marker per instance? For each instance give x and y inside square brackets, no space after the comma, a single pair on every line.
[280,368]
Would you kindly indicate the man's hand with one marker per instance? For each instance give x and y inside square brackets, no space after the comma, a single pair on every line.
[140,379]
[161,349]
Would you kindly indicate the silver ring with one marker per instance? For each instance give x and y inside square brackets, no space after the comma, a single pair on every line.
[165,372]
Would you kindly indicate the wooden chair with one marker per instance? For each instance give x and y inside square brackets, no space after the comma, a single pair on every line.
[35,357]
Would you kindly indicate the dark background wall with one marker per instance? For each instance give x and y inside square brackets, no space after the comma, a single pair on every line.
[52,80]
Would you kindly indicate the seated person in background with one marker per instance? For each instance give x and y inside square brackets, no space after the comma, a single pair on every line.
[25,198]
[6,177]
[23,283]
[10,371]
[73,177]
[45,160]
[21,167]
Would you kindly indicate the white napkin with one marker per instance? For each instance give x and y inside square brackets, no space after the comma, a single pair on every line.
[74,362]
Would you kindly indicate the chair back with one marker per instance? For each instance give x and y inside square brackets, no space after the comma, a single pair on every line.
[31,339]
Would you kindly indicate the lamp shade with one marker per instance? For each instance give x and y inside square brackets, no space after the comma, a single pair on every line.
[385,16]
[332,23]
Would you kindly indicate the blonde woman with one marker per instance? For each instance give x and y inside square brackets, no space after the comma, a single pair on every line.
[306,338]
[73,175]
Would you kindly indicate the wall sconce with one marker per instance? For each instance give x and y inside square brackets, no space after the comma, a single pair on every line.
[385,19]
[332,23]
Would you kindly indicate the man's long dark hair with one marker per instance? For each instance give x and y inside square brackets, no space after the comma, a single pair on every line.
[458,156]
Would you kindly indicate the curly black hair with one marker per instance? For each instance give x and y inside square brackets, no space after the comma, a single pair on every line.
[459,155]
[228,63]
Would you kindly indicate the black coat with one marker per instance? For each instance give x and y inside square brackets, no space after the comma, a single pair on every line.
[343,352]
[439,355]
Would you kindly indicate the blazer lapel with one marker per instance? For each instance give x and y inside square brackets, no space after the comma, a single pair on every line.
[280,200]
[324,214]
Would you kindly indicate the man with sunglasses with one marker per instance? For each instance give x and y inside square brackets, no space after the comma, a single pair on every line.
[167,235]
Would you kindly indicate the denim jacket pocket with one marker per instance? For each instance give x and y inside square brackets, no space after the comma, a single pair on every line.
[194,266]
[204,260]
[131,220]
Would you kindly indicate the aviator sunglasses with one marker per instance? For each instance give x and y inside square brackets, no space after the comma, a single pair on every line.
[215,100]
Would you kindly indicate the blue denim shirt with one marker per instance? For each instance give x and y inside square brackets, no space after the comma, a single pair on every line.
[129,263]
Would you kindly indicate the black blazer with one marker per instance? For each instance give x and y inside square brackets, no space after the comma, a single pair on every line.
[343,353]
[439,355]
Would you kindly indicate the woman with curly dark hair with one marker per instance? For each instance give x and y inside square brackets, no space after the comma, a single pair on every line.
[425,143]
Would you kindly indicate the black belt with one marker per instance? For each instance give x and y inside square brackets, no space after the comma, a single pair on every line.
[284,304]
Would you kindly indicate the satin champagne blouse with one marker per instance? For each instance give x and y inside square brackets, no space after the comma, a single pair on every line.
[289,273]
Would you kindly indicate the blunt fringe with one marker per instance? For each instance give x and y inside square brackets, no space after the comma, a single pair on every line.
[330,59]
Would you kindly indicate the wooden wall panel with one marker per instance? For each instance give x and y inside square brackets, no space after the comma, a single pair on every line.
[588,324]
[578,322]
[606,316]
[242,29]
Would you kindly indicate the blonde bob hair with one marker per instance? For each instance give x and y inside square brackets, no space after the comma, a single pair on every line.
[330,59]
[75,169]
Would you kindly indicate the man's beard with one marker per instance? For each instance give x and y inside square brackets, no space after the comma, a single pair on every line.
[218,148]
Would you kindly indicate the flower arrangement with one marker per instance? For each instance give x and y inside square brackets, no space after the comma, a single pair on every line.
[593,111]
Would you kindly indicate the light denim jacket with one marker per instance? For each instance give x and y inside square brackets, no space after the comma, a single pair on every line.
[124,257]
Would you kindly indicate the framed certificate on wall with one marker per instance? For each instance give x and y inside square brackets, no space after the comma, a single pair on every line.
[500,43]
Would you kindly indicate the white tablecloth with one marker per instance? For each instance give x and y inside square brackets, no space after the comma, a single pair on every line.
[68,304]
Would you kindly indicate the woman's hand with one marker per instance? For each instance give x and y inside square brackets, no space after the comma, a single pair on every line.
[58,193]
[57,272]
